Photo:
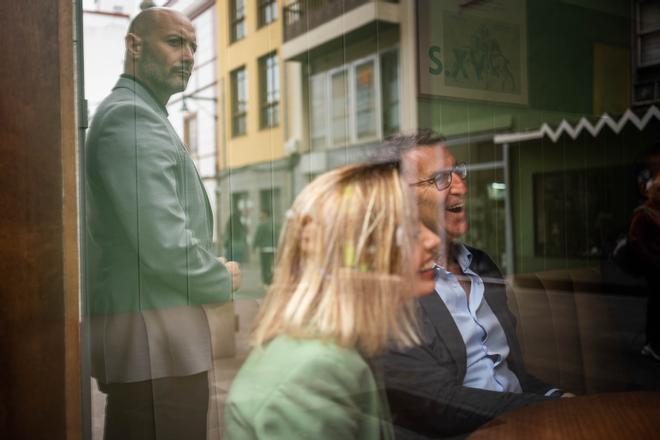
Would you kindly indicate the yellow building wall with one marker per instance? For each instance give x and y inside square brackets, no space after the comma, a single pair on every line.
[257,145]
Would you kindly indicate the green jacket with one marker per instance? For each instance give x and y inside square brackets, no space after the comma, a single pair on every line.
[149,222]
[299,389]
[148,253]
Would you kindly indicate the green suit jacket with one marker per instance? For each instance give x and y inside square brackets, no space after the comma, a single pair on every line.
[299,389]
[149,256]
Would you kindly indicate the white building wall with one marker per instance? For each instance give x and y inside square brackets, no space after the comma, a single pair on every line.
[103,52]
[201,100]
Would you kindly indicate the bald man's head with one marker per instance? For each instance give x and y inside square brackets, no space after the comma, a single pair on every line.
[144,21]
[160,48]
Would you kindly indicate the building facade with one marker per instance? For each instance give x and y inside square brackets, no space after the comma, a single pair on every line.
[254,179]
[470,70]
[105,23]
[354,71]
[348,68]
[194,113]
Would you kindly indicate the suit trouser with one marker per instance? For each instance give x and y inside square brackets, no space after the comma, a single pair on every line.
[266,266]
[158,409]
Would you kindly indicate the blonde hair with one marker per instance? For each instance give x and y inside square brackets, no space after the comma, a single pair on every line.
[350,281]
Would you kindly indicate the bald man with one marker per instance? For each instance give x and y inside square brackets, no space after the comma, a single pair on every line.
[149,259]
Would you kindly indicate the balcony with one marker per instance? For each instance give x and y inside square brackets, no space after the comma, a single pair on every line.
[301,16]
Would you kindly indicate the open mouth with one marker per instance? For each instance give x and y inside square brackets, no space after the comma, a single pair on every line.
[458,207]
[427,271]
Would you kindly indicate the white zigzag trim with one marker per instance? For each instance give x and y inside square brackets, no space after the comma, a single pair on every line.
[583,124]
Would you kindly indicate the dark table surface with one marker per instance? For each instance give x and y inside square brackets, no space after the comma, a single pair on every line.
[626,415]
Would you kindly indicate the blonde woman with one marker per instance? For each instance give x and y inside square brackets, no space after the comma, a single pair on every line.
[351,257]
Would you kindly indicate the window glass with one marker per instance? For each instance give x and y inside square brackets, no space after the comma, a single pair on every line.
[389,66]
[267,11]
[237,19]
[553,107]
[365,100]
[239,101]
[339,107]
[270,90]
[318,109]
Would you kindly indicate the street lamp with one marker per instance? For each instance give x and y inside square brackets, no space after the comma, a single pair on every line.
[184,107]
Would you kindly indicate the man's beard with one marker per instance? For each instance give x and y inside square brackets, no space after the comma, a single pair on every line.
[171,81]
[182,78]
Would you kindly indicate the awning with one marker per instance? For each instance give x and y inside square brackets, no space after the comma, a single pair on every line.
[584,124]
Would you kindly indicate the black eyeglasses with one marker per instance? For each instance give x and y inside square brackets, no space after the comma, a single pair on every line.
[442,179]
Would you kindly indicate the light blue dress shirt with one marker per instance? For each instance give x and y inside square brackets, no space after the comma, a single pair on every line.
[486,345]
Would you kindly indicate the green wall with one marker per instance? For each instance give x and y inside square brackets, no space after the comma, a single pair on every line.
[561,36]
[612,156]
[560,44]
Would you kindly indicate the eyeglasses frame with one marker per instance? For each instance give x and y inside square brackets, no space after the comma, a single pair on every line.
[459,168]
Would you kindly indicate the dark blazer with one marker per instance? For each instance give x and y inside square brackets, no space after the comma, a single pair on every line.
[425,383]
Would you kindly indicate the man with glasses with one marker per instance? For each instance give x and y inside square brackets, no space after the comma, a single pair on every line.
[469,366]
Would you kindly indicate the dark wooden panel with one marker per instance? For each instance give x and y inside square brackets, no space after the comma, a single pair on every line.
[38,325]
[614,416]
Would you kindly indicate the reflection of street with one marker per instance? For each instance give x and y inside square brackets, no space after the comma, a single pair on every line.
[251,286]
[246,303]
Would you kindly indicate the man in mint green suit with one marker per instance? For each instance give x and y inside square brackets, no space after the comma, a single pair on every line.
[149,259]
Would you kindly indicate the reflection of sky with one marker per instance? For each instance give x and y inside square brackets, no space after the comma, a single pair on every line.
[183,4]
[103,44]
[123,6]
[132,7]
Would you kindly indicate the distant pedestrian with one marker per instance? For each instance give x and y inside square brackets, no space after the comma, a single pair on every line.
[265,241]
[644,239]
[235,239]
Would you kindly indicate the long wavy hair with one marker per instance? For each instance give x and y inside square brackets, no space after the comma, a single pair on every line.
[343,270]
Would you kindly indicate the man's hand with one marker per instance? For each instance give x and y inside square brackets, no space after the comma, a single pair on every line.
[235,270]
[568,395]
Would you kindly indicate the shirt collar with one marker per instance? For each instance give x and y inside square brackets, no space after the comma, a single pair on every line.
[148,90]
[463,256]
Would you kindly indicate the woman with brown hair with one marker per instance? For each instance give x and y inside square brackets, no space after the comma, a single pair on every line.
[351,257]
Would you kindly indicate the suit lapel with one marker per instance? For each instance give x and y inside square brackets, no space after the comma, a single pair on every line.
[137,88]
[495,296]
[492,297]
[144,94]
[497,301]
[494,291]
[446,330]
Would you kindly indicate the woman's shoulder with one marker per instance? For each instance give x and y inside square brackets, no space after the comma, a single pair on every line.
[294,384]
[288,363]
[286,359]
[300,351]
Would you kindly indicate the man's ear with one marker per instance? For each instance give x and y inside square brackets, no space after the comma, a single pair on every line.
[134,45]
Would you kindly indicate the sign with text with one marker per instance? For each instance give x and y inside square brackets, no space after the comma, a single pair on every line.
[473,50]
